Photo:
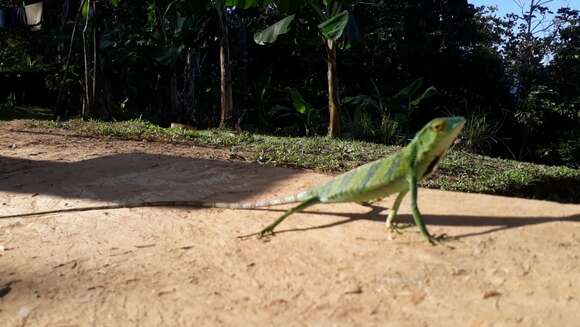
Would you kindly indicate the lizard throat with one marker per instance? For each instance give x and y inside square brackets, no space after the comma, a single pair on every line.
[431,166]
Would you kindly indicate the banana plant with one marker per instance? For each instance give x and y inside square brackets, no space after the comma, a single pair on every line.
[335,23]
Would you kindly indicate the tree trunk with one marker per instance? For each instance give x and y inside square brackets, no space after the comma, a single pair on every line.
[243,96]
[60,110]
[333,98]
[95,55]
[106,98]
[226,97]
[88,101]
[174,114]
[188,92]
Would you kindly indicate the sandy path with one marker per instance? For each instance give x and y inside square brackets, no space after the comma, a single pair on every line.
[516,262]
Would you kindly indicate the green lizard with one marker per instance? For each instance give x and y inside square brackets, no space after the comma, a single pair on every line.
[396,174]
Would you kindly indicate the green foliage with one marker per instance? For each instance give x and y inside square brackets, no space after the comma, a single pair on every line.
[386,119]
[309,115]
[16,53]
[272,32]
[25,64]
[333,27]
[411,97]
[480,134]
[370,120]
[551,126]
[465,172]
[533,111]
[568,150]
[8,106]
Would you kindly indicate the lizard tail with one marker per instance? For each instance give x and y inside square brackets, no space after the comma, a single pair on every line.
[298,197]
[198,204]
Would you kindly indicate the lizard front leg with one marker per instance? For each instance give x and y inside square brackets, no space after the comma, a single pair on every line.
[434,240]
[393,212]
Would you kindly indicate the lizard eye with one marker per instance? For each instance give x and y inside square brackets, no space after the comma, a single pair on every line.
[439,127]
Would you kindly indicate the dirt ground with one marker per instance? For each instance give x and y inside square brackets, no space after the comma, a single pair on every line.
[514,262]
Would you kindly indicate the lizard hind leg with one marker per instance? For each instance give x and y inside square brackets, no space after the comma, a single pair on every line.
[365,203]
[270,228]
[368,203]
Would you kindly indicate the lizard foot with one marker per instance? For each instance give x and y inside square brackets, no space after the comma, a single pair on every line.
[441,239]
[262,235]
[398,227]
[266,232]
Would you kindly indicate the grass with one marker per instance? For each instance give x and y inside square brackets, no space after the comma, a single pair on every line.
[459,171]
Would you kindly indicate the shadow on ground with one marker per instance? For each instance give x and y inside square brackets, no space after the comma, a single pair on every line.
[378,214]
[20,112]
[138,177]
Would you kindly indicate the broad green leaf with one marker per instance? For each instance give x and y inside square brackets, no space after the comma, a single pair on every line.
[300,104]
[333,28]
[411,89]
[271,33]
[429,92]
[85,10]
[351,34]
[307,112]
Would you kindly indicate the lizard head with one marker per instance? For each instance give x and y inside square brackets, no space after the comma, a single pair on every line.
[438,135]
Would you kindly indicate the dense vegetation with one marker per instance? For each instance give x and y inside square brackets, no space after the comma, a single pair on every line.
[372,70]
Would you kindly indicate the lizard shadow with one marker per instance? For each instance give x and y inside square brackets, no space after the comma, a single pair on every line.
[131,177]
[495,223]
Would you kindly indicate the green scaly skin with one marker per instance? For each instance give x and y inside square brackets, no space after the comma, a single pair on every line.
[396,174]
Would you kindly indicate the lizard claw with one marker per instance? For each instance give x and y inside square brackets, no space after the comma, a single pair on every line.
[260,235]
[397,227]
[268,231]
[393,228]
[441,239]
